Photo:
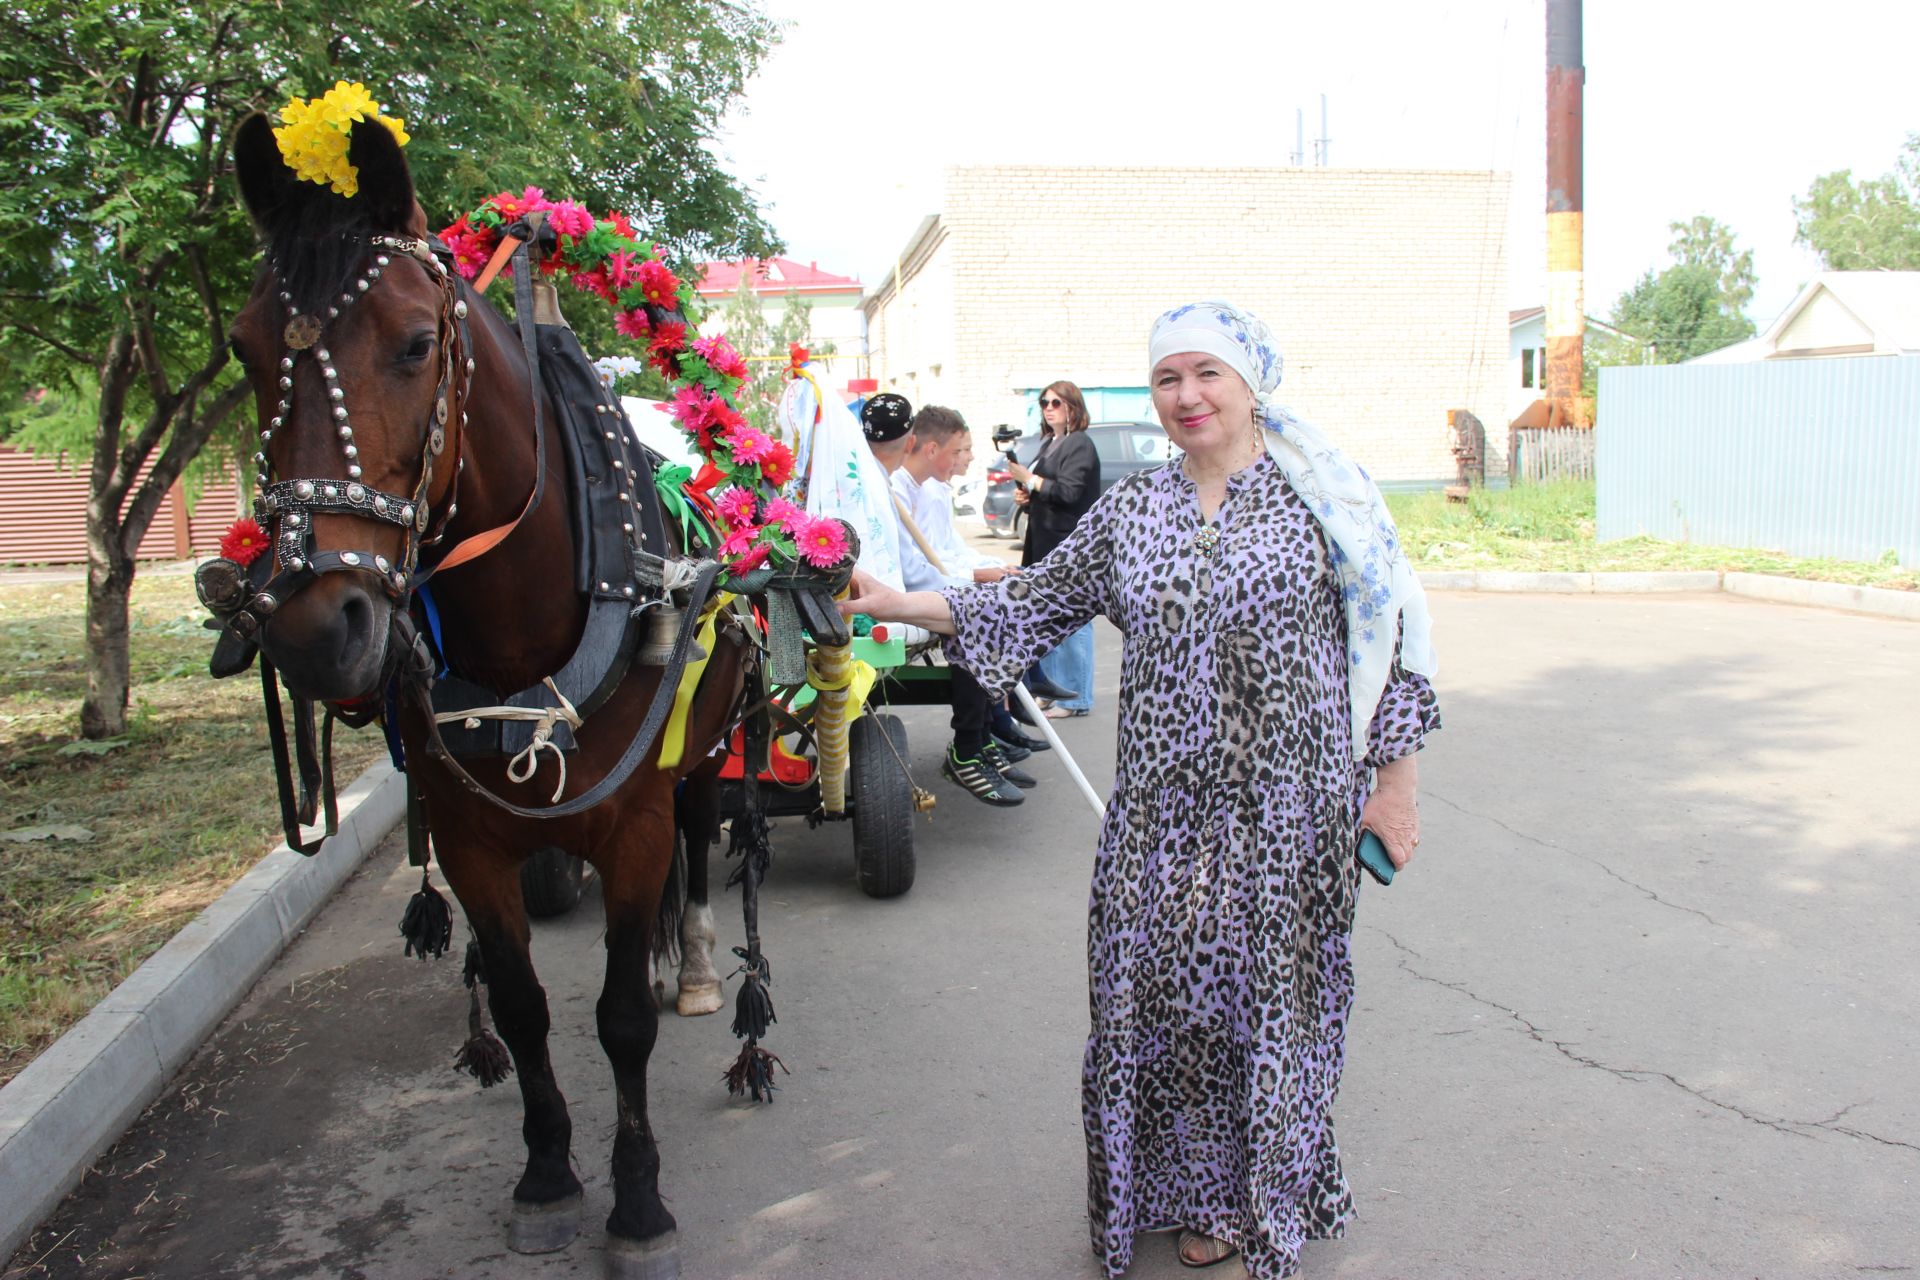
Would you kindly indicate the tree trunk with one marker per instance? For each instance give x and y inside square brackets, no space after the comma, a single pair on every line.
[103,714]
[109,586]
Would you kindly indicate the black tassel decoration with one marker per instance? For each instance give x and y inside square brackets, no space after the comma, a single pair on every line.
[752,1072]
[483,1056]
[427,924]
[753,1007]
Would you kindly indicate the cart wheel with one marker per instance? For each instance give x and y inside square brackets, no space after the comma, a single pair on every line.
[882,805]
[550,882]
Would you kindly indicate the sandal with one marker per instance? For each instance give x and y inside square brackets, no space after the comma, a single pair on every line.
[1058,712]
[1197,1250]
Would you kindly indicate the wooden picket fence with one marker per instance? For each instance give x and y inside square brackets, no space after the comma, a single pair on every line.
[1538,454]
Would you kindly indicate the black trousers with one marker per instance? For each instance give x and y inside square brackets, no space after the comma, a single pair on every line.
[972,705]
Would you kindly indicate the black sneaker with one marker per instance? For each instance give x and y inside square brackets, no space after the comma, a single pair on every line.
[1019,740]
[1013,752]
[981,780]
[1002,764]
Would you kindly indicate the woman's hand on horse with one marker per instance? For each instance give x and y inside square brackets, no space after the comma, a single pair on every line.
[1393,810]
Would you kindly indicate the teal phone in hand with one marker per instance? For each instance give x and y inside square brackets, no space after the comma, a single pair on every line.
[1373,856]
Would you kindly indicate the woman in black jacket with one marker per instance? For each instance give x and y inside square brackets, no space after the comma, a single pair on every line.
[1056,491]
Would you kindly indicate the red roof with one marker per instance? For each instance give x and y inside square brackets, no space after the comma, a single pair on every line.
[773,276]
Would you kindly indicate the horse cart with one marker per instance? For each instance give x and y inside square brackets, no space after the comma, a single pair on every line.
[856,772]
[832,759]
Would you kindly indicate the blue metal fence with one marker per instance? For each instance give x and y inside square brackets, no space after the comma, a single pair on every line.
[1810,457]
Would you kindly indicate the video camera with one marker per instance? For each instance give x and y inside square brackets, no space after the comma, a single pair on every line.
[1004,437]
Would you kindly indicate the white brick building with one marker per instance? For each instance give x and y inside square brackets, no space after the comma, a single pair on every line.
[1385,288]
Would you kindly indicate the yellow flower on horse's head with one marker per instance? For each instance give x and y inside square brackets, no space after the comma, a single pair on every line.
[315,134]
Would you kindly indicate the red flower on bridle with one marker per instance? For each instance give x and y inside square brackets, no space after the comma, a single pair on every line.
[244,541]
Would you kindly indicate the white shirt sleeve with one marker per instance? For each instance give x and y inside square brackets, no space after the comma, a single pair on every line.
[919,572]
[933,512]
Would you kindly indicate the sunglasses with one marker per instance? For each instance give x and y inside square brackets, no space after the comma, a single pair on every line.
[1053,404]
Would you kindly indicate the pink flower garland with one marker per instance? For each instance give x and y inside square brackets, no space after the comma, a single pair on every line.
[603,257]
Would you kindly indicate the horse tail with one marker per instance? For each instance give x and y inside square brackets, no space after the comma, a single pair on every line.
[673,903]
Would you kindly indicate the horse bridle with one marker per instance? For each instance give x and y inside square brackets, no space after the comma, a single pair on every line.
[289,506]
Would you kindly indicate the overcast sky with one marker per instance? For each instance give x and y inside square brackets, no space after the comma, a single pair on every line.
[1692,106]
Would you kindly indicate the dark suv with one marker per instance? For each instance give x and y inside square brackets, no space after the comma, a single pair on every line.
[1123,447]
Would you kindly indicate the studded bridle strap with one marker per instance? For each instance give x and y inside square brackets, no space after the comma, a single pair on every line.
[290,505]
[479,544]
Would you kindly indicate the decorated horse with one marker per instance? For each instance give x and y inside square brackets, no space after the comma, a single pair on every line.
[457,537]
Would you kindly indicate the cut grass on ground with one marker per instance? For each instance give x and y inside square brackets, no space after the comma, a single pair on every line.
[1549,528]
[178,809]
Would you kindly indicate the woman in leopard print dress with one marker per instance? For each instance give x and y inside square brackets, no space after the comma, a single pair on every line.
[1269,706]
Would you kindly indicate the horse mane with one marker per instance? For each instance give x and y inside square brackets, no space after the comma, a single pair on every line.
[317,249]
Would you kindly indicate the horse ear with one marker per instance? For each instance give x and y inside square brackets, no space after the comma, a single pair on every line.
[385,183]
[266,184]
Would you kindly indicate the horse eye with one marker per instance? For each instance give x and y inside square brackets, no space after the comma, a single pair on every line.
[420,348]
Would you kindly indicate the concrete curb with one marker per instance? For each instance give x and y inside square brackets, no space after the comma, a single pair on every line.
[1826,595]
[1879,601]
[1570,583]
[77,1099]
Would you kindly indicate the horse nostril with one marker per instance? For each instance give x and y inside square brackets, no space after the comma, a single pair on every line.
[356,626]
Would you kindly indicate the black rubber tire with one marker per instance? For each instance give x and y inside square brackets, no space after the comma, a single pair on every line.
[550,882]
[881,798]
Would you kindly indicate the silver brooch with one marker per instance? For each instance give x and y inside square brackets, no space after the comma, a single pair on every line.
[1206,540]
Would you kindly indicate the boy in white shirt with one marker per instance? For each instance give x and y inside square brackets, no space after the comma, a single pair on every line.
[941,450]
[974,760]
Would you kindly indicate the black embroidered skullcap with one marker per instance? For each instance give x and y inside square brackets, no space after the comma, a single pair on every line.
[886,417]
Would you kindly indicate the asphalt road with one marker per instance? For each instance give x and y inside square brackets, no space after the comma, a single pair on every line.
[1644,1007]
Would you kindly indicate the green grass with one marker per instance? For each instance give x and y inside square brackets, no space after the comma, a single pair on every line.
[1550,528]
[178,810]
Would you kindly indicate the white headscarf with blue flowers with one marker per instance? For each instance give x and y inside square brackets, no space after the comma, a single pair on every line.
[1379,586]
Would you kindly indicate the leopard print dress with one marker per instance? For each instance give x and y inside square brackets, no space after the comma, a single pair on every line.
[1224,885]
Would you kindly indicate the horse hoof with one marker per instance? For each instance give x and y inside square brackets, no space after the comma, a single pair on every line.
[655,1259]
[544,1228]
[700,998]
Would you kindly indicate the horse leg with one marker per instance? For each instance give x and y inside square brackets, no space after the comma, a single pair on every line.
[698,816]
[641,1240]
[546,1202]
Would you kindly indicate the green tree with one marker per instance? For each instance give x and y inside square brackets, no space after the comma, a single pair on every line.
[1693,306]
[128,251]
[1703,242]
[1680,313]
[1869,225]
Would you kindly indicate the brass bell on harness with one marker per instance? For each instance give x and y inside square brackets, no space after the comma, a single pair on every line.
[663,627]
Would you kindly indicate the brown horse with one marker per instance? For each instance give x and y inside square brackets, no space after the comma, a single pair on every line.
[384,380]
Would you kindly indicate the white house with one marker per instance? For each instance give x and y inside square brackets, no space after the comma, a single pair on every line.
[1527,356]
[833,301]
[1838,313]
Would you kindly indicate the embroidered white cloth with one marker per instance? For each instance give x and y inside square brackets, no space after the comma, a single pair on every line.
[835,474]
[1380,586]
